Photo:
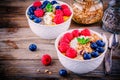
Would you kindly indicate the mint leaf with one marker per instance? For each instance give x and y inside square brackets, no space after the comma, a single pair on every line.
[83,40]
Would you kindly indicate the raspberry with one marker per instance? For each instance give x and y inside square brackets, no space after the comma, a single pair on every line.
[37,4]
[63,6]
[39,13]
[58,19]
[63,47]
[46,59]
[75,33]
[69,36]
[85,32]
[64,39]
[58,11]
[71,53]
[67,12]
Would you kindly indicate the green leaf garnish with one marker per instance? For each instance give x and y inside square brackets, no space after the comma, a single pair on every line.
[83,40]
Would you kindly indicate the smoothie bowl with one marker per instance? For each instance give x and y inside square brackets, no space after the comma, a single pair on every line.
[81,50]
[49,18]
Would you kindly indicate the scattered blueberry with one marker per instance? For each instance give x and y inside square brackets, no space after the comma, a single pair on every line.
[63,72]
[53,2]
[37,20]
[32,47]
[95,54]
[32,17]
[100,43]
[100,49]
[58,7]
[93,45]
[87,56]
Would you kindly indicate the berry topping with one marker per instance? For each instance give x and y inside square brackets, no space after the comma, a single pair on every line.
[46,59]
[37,4]
[58,7]
[71,53]
[100,49]
[100,43]
[39,13]
[85,32]
[69,36]
[93,45]
[58,19]
[37,20]
[32,47]
[63,47]
[58,11]
[87,56]
[63,72]
[75,33]
[67,12]
[32,17]
[95,54]
[53,2]
[63,6]
[30,11]
[64,39]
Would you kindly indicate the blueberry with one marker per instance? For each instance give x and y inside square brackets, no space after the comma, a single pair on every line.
[28,13]
[93,45]
[33,8]
[44,4]
[32,17]
[100,43]
[95,54]
[31,11]
[53,2]
[100,49]
[58,7]
[32,47]
[63,72]
[87,56]
[37,20]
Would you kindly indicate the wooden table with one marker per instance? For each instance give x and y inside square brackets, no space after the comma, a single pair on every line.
[17,62]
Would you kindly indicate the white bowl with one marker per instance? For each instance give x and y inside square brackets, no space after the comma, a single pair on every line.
[49,31]
[80,66]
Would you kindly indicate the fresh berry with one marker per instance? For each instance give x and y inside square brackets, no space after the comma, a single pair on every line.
[37,20]
[95,54]
[69,36]
[64,6]
[53,2]
[67,12]
[32,47]
[46,59]
[63,72]
[58,11]
[85,32]
[39,13]
[93,45]
[71,53]
[65,39]
[30,11]
[44,4]
[63,47]
[58,7]
[32,17]
[33,8]
[87,56]
[37,4]
[58,19]
[75,33]
[100,49]
[100,43]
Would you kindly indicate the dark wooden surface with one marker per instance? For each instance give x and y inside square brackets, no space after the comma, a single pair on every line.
[18,63]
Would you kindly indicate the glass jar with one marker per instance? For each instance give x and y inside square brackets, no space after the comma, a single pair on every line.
[111,18]
[87,11]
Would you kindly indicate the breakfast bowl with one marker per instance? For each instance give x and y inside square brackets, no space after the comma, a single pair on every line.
[49,24]
[81,50]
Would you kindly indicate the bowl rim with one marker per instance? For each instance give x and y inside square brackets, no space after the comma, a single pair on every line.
[50,25]
[59,37]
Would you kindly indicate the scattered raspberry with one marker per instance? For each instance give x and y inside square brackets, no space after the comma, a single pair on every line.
[39,13]
[58,11]
[75,33]
[63,6]
[63,47]
[85,32]
[46,59]
[37,4]
[71,53]
[69,36]
[58,19]
[67,12]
